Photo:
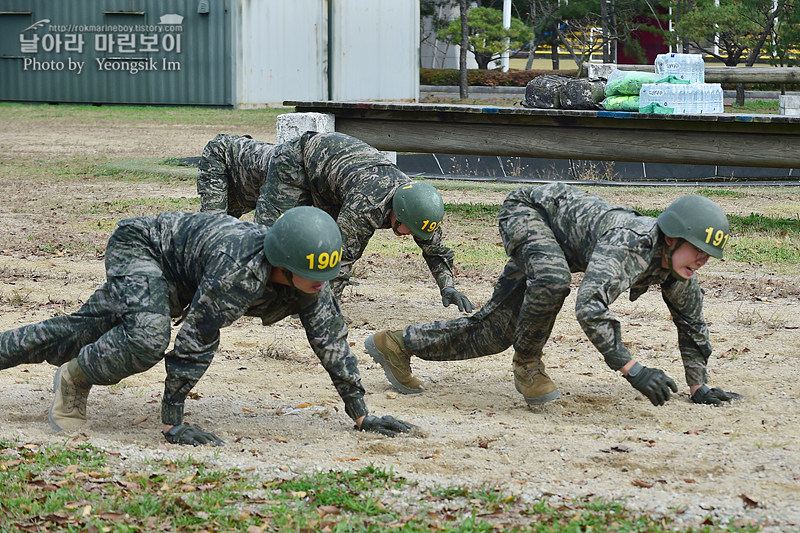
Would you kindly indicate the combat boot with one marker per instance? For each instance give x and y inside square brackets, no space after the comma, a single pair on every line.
[388,350]
[532,381]
[68,411]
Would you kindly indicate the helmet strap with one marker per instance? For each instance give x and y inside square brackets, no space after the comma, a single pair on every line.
[396,226]
[288,275]
[669,250]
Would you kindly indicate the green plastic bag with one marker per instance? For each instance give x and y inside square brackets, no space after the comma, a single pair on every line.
[657,109]
[624,102]
[673,79]
[629,82]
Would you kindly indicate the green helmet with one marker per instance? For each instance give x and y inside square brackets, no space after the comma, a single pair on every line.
[698,220]
[419,206]
[307,242]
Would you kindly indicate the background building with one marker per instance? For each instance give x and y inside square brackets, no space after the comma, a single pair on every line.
[241,53]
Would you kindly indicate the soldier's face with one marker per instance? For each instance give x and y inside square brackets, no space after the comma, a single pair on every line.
[307,286]
[281,275]
[686,259]
[398,229]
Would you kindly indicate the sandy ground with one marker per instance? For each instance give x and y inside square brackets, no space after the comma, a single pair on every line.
[269,399]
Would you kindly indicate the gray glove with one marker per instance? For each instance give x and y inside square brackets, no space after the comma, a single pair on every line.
[715,396]
[652,382]
[452,296]
[385,425]
[193,435]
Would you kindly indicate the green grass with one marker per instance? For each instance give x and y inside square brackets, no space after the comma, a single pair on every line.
[146,168]
[758,107]
[151,205]
[77,487]
[133,114]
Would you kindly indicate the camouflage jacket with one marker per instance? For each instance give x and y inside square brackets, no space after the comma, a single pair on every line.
[216,271]
[618,249]
[352,182]
[231,173]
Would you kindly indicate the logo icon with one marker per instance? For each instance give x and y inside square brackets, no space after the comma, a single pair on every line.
[171,18]
[38,24]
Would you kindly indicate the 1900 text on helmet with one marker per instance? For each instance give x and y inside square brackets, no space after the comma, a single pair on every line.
[419,206]
[306,241]
[698,220]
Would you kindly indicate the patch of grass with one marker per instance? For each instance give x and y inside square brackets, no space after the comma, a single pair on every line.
[149,205]
[764,249]
[77,487]
[473,212]
[760,223]
[758,107]
[147,168]
[726,193]
[133,114]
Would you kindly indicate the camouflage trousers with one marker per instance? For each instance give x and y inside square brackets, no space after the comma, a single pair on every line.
[122,329]
[522,309]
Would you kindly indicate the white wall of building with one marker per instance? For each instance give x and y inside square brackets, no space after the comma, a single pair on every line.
[325,49]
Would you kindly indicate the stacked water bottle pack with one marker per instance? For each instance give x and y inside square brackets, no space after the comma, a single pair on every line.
[696,96]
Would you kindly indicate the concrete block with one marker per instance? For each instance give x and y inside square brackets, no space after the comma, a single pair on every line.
[601,70]
[789,104]
[292,125]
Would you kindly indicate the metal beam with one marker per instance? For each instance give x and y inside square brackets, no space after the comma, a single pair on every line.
[725,139]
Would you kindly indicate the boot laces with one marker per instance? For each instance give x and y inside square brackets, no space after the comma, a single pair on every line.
[75,397]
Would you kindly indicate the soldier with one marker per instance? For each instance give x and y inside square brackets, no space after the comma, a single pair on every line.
[363,191]
[549,232]
[209,271]
[231,172]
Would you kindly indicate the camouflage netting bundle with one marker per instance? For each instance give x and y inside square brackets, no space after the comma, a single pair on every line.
[583,93]
[542,92]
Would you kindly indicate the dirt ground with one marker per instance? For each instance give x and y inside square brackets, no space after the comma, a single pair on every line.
[275,407]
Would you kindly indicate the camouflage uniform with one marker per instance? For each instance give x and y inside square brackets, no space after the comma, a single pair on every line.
[549,232]
[232,171]
[209,271]
[353,183]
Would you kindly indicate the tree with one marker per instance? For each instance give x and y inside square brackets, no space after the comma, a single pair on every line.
[434,16]
[739,28]
[783,46]
[576,20]
[487,36]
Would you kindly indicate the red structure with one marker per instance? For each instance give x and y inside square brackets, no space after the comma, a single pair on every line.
[652,43]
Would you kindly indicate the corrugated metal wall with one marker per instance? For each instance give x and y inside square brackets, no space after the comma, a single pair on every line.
[374,49]
[245,53]
[281,51]
[116,51]
[327,49]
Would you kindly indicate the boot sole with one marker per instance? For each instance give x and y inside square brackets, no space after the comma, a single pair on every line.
[379,358]
[539,400]
[56,380]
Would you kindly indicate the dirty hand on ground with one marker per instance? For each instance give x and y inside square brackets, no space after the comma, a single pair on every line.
[386,425]
[184,434]
[652,382]
[715,396]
